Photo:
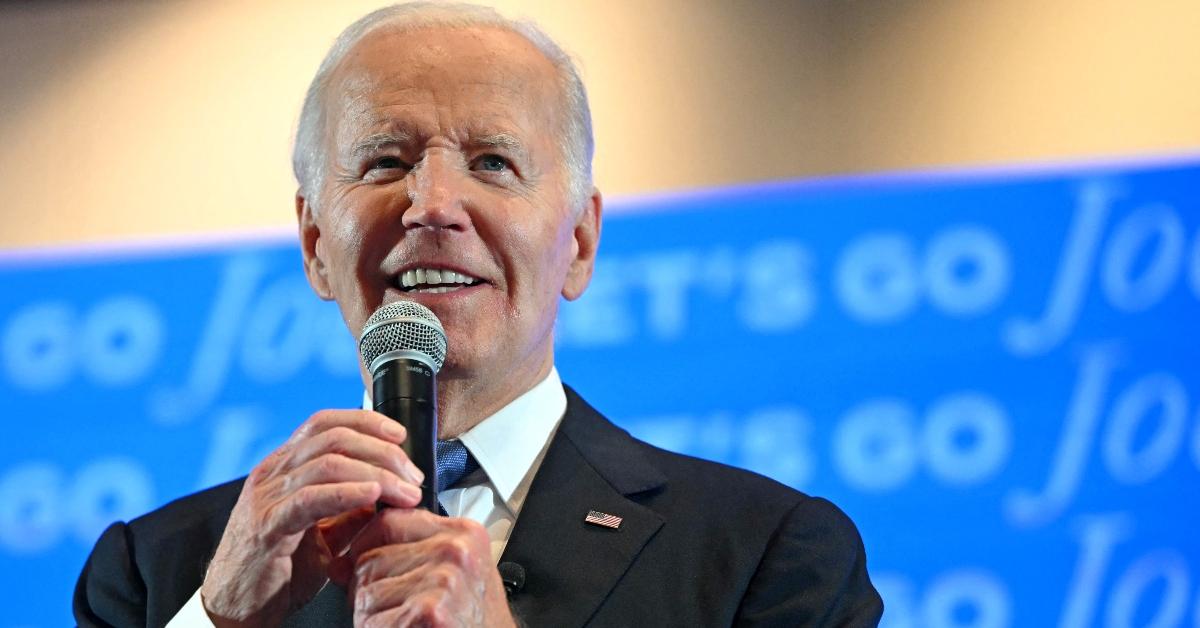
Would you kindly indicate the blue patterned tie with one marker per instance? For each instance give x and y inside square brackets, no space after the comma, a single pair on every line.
[454,463]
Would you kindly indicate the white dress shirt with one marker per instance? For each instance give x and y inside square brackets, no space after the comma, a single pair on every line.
[509,447]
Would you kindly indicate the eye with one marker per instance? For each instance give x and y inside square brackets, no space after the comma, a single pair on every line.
[491,163]
[388,163]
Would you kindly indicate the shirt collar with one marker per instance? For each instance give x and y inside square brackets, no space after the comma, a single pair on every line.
[508,444]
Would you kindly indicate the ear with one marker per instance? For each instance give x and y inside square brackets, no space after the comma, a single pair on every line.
[311,248]
[586,242]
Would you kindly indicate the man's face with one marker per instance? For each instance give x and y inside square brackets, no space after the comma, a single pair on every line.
[443,156]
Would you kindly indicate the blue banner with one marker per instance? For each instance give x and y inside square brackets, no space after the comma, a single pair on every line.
[994,374]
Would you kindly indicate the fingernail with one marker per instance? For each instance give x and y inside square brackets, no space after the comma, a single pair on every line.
[414,472]
[394,429]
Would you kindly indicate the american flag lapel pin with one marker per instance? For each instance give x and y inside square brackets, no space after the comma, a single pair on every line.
[598,518]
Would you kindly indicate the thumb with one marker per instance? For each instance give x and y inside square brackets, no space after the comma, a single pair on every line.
[341,572]
[339,531]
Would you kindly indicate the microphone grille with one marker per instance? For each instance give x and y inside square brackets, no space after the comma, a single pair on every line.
[403,326]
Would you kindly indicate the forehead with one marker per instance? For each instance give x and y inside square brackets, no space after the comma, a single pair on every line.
[441,80]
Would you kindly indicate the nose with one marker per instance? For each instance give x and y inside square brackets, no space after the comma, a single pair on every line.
[435,192]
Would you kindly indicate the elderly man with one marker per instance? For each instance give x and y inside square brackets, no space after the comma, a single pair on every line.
[443,157]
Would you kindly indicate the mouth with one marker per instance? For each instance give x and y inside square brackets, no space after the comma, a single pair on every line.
[435,281]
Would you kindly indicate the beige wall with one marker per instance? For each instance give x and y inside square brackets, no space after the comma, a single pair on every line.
[972,81]
[130,119]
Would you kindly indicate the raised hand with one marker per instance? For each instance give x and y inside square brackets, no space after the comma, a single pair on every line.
[300,508]
[415,568]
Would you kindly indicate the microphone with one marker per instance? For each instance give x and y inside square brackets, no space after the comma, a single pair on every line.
[513,577]
[403,346]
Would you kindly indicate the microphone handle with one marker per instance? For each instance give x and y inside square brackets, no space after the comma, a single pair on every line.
[406,390]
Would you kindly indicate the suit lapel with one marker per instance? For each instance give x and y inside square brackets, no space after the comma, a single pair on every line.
[571,565]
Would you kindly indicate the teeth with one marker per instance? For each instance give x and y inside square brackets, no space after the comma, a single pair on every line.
[428,280]
[438,289]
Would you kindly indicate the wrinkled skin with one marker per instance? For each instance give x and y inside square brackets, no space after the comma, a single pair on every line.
[299,510]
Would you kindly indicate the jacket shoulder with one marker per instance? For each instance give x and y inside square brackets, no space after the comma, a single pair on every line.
[784,557]
[203,513]
[727,482]
[142,572]
[621,457]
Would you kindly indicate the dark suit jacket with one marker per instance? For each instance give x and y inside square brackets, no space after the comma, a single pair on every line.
[700,544]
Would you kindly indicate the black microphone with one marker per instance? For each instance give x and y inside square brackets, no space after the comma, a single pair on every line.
[403,346]
[513,577]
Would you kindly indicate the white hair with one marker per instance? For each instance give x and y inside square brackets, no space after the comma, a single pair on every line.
[575,141]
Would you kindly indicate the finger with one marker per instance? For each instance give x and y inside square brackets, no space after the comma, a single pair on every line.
[462,545]
[302,509]
[309,566]
[388,561]
[387,619]
[419,605]
[353,444]
[337,468]
[339,530]
[395,526]
[341,572]
[363,421]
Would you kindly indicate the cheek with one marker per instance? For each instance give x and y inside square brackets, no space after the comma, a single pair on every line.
[562,250]
[354,253]
[345,247]
[545,257]
[363,230]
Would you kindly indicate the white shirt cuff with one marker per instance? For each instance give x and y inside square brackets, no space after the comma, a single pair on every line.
[192,615]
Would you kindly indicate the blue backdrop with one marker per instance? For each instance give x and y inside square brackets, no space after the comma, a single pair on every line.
[994,374]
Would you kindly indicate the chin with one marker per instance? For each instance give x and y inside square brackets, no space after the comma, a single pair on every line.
[459,364]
